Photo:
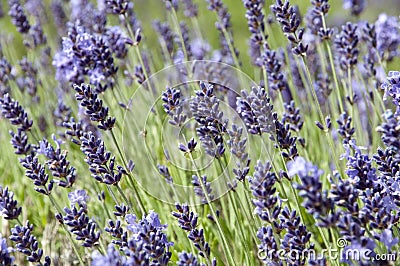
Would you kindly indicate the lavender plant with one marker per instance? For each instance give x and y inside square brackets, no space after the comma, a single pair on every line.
[155,134]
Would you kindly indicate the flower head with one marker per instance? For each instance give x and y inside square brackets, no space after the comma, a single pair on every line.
[78,196]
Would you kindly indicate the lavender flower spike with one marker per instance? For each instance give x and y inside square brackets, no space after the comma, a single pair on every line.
[8,205]
[94,106]
[18,16]
[78,196]
[263,188]
[102,164]
[202,188]
[316,201]
[346,43]
[118,7]
[27,244]
[14,112]
[173,106]
[211,124]
[392,88]
[356,6]
[187,259]
[256,110]
[187,220]
[290,22]
[58,164]
[37,173]
[80,225]
[299,166]
[5,253]
[237,145]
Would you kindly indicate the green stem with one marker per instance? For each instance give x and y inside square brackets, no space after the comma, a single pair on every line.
[227,250]
[328,48]
[232,201]
[136,192]
[74,247]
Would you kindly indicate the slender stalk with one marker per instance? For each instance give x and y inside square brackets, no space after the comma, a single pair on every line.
[227,250]
[123,195]
[74,247]
[112,194]
[232,201]
[136,192]
[175,19]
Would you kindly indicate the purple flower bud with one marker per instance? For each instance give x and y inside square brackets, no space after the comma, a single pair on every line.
[187,220]
[94,106]
[8,205]
[18,16]
[5,252]
[113,257]
[27,244]
[148,239]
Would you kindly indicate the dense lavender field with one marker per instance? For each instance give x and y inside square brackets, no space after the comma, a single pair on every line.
[203,132]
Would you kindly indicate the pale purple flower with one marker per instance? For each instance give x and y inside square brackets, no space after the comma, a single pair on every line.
[148,239]
[78,196]
[299,166]
[390,205]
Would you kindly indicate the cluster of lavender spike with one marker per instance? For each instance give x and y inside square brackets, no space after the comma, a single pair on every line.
[102,164]
[287,17]
[284,230]
[35,36]
[14,112]
[61,170]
